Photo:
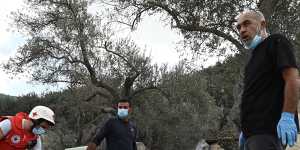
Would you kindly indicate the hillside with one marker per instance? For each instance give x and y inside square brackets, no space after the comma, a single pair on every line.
[7,97]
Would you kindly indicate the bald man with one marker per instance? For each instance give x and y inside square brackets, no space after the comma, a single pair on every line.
[269,100]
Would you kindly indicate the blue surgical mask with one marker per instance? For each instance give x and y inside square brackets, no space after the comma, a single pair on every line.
[122,113]
[255,41]
[38,131]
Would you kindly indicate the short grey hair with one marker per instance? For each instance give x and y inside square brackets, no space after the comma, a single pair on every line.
[258,15]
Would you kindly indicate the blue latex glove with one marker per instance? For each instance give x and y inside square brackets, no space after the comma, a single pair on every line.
[286,129]
[242,141]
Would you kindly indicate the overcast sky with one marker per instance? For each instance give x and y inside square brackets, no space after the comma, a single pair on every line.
[159,40]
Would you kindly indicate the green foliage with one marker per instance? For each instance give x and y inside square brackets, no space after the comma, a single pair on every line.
[286,18]
[7,97]
[5,102]
[179,121]
[20,104]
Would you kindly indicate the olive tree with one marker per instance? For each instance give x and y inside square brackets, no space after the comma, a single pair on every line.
[65,43]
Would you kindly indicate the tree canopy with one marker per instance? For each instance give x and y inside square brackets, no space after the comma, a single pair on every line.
[65,43]
[209,26]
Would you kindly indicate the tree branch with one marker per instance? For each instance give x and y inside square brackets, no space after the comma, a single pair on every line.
[50,53]
[85,56]
[174,14]
[138,16]
[121,56]
[128,84]
[65,81]
[98,93]
[142,90]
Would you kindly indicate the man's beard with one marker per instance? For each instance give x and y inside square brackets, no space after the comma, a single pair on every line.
[247,43]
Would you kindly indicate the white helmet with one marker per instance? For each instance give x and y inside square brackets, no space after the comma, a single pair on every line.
[42,112]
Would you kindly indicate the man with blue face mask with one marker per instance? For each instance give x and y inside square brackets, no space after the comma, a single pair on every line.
[120,133]
[270,96]
[23,131]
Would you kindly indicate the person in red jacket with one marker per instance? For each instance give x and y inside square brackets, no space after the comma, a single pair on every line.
[23,131]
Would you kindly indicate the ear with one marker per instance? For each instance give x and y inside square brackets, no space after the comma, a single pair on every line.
[263,25]
[130,109]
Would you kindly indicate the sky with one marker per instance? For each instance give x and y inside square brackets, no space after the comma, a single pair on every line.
[159,40]
[9,41]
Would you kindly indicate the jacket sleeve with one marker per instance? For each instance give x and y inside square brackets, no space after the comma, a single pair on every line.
[102,133]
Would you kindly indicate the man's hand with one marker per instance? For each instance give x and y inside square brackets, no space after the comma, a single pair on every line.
[91,146]
[286,129]
[242,141]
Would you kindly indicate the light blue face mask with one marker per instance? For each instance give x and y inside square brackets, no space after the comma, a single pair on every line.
[38,131]
[122,113]
[255,41]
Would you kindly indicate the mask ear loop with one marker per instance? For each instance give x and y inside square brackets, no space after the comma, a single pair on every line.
[258,31]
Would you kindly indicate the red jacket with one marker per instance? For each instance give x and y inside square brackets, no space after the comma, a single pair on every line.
[18,138]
